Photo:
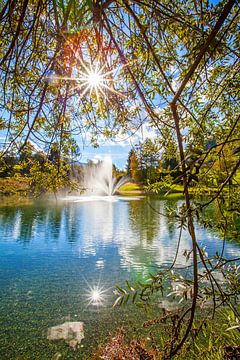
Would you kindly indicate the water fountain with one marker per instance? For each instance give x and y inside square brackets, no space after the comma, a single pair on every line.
[99,179]
[99,183]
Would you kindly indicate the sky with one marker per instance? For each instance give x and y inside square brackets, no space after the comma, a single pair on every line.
[118,148]
[118,153]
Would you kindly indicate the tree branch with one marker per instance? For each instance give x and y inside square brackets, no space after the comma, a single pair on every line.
[211,37]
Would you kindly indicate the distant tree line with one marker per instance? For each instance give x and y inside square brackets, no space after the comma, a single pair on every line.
[148,162]
[46,171]
[151,162]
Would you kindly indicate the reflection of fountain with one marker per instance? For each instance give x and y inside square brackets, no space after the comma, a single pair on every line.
[99,179]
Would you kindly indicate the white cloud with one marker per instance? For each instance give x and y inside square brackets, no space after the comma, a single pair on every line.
[147,132]
[96,158]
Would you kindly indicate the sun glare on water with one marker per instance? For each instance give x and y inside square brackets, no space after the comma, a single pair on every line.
[96,296]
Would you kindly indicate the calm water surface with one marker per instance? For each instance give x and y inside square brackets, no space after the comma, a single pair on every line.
[52,255]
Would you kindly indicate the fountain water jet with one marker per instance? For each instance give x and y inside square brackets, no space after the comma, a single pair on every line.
[99,179]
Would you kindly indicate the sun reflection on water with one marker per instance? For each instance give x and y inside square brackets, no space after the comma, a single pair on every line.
[96,295]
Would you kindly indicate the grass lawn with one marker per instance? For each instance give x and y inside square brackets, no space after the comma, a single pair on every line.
[131,189]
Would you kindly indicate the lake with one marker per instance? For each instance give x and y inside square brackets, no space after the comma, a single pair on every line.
[55,257]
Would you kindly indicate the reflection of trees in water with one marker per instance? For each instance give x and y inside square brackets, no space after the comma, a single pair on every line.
[157,234]
[139,230]
[72,222]
[53,222]
[147,220]
[19,222]
[171,204]
[143,220]
[22,222]
[220,217]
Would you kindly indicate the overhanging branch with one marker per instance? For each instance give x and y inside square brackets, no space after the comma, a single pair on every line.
[227,8]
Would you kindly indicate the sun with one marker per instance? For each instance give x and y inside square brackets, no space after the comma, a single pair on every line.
[98,80]
[95,79]
[90,79]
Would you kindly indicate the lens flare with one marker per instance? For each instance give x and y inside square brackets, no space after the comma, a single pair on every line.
[94,79]
[91,79]
[96,296]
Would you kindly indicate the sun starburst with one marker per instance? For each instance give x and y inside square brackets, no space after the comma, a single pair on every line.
[98,80]
[95,79]
[96,295]
[91,79]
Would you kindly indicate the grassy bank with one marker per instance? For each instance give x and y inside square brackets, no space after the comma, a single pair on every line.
[14,191]
[14,186]
[131,188]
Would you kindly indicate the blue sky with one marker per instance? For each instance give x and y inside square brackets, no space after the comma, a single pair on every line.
[118,154]
[118,148]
